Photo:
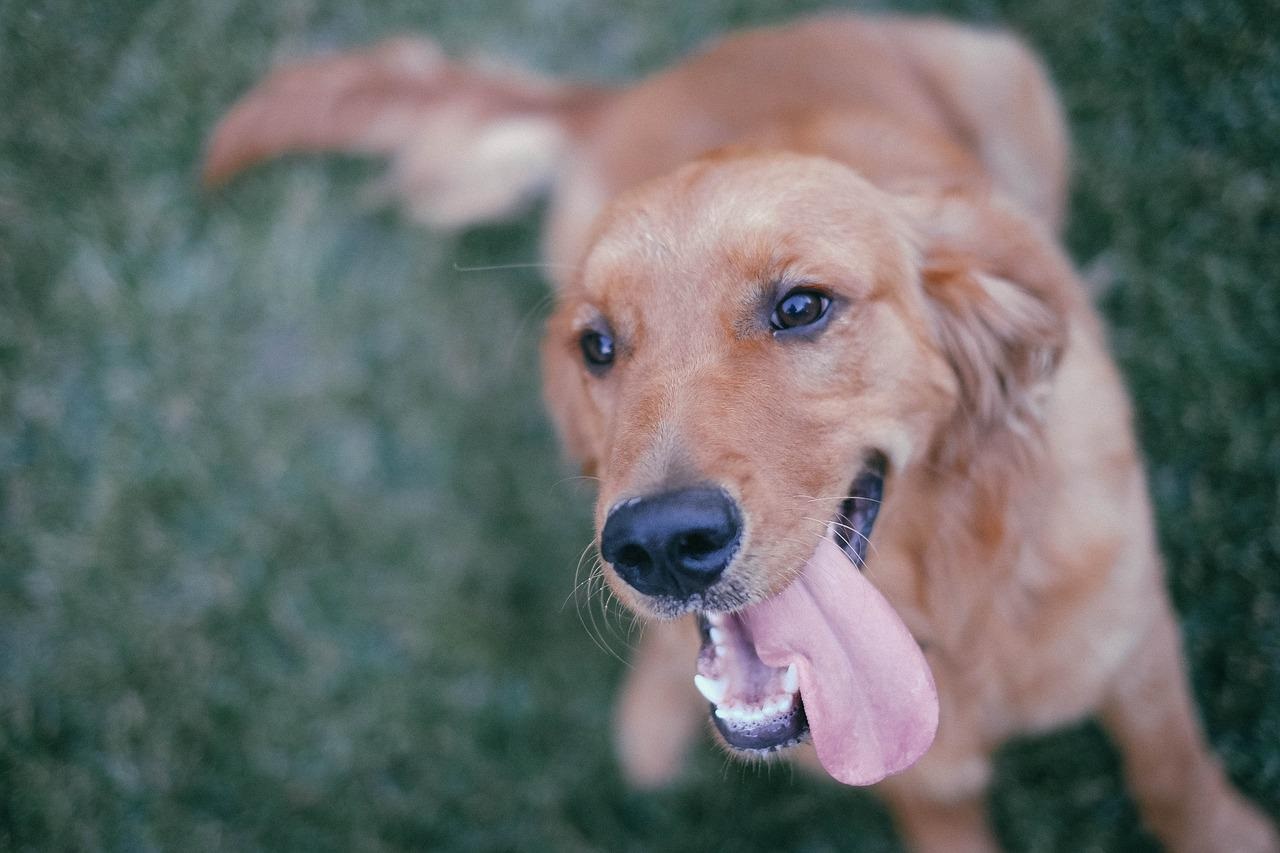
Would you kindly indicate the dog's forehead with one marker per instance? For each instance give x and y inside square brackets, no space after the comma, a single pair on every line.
[725,229]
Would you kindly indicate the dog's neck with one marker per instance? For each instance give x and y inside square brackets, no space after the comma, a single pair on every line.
[948,511]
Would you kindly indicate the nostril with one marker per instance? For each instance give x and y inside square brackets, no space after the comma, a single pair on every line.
[697,544]
[633,557]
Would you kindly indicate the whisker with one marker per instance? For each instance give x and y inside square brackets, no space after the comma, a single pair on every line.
[596,576]
[577,571]
[611,619]
[603,595]
[564,480]
[844,497]
[859,562]
[517,266]
[845,526]
[594,635]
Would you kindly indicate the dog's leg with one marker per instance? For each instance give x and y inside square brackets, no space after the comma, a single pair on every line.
[659,711]
[940,803]
[1181,790]
[928,825]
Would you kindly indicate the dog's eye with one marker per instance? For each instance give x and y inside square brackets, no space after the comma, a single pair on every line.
[799,308]
[597,348]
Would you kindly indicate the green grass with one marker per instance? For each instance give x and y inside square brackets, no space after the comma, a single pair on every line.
[285,545]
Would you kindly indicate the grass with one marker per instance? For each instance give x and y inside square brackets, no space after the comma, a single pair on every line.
[286,553]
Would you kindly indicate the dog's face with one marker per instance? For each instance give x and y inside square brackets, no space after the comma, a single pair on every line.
[748,344]
[754,348]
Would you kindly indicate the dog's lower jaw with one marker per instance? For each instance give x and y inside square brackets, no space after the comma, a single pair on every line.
[770,735]
[764,714]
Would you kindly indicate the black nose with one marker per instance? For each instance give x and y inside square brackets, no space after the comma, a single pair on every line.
[676,543]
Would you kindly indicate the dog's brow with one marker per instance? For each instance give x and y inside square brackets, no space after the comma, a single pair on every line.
[586,314]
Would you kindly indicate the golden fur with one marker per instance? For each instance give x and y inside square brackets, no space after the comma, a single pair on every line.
[917,171]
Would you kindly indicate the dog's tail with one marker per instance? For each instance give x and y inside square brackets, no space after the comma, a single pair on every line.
[468,144]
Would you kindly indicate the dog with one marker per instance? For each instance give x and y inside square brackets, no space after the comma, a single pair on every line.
[863,460]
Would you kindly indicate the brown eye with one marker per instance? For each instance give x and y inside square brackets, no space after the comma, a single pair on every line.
[597,349]
[799,308]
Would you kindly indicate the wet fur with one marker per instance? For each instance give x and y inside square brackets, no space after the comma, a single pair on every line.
[918,170]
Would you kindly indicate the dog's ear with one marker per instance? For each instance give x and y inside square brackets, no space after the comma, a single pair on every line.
[468,144]
[998,296]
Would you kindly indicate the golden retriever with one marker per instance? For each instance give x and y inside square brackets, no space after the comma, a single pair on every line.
[862,455]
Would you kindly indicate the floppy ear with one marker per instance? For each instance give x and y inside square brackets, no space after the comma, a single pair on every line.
[467,144]
[998,296]
[1001,340]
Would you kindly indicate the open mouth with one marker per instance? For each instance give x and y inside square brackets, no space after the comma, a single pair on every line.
[758,708]
[755,707]
[825,659]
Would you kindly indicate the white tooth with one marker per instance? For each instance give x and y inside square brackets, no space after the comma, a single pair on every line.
[729,712]
[717,636]
[791,679]
[721,650]
[712,688]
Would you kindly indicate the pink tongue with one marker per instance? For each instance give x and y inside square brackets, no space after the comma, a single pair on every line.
[866,688]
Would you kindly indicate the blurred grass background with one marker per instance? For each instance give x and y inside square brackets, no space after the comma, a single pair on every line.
[286,551]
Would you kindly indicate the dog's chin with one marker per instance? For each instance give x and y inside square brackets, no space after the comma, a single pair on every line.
[755,708]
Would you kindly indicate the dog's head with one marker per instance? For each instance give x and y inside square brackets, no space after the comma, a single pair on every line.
[756,346]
